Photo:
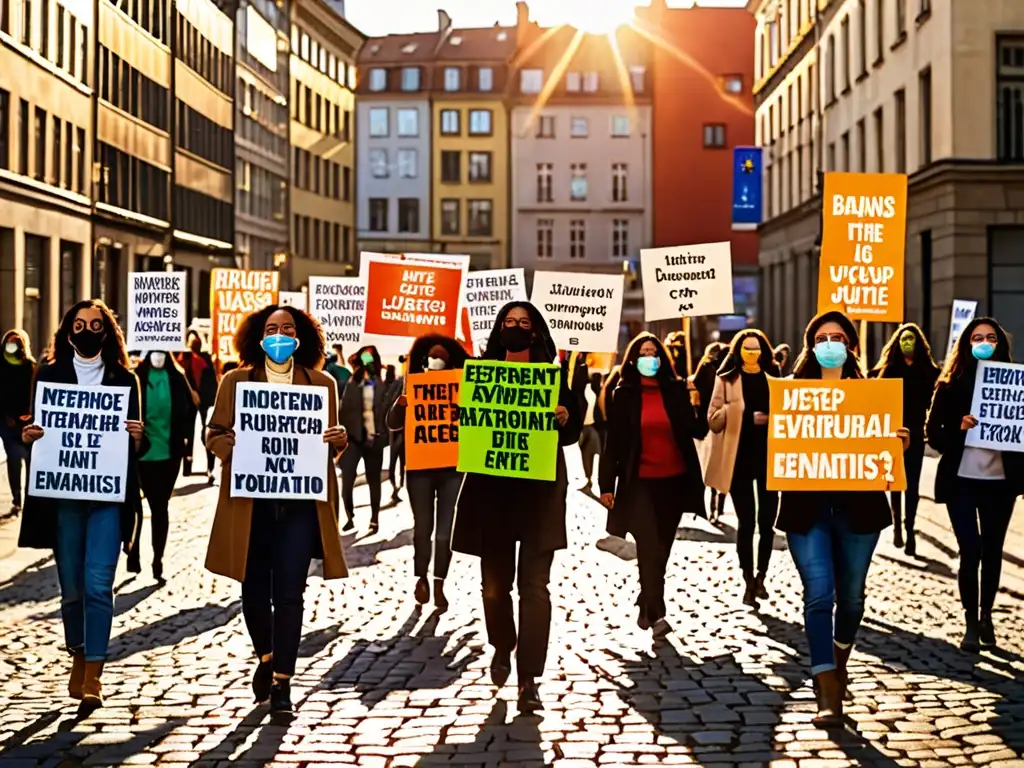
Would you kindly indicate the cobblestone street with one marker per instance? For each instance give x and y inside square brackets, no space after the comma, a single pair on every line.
[383,684]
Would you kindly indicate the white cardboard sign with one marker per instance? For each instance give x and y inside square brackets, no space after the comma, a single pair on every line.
[156,311]
[485,292]
[339,305]
[963,312]
[295,299]
[687,281]
[998,405]
[583,310]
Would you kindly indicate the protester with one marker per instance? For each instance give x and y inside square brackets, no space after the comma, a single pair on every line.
[832,535]
[649,470]
[494,513]
[675,345]
[88,350]
[590,437]
[268,544]
[166,406]
[782,356]
[17,368]
[704,380]
[201,374]
[364,408]
[396,438]
[337,368]
[908,356]
[738,417]
[978,486]
[432,492]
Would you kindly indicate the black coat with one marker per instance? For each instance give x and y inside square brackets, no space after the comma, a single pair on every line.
[952,401]
[620,459]
[350,413]
[918,388]
[15,391]
[39,518]
[181,407]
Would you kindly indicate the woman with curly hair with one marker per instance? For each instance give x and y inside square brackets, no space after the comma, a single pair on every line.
[86,536]
[908,356]
[17,368]
[267,544]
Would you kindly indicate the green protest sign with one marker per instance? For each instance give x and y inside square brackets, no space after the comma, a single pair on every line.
[507,423]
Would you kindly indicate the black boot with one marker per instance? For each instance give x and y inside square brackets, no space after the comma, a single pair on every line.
[987,630]
[281,697]
[971,642]
[529,697]
[501,667]
[263,681]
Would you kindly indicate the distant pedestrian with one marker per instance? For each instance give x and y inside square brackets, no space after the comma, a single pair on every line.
[590,437]
[783,353]
[17,369]
[337,368]
[202,379]
[649,470]
[267,544]
[86,536]
[979,486]
[396,439]
[738,417]
[703,380]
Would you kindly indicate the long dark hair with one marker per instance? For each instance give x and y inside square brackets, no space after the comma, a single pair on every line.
[355,362]
[630,374]
[310,352]
[604,400]
[21,336]
[416,360]
[892,356]
[542,347]
[962,362]
[112,351]
[730,367]
[807,365]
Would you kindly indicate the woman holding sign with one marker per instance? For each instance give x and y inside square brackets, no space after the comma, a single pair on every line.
[496,513]
[267,544]
[86,536]
[649,472]
[738,416]
[979,486]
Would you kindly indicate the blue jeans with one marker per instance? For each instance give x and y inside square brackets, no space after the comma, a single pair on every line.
[833,563]
[88,546]
[433,525]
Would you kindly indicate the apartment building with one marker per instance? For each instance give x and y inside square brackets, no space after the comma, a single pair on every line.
[323,77]
[931,89]
[46,88]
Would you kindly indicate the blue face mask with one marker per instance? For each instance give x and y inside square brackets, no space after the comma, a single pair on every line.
[279,347]
[648,366]
[983,351]
[830,354]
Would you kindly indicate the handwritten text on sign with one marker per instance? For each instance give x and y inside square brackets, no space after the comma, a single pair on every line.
[432,420]
[339,305]
[279,448]
[83,453]
[688,281]
[582,310]
[507,424]
[486,292]
[963,313]
[835,436]
[235,293]
[864,228]
[407,299]
[998,406]
[156,311]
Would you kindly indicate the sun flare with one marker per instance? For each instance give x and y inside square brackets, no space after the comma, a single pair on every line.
[597,17]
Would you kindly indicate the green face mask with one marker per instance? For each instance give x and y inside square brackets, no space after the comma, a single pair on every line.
[908,343]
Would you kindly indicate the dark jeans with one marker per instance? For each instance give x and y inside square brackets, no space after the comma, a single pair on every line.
[499,571]
[282,543]
[590,447]
[17,457]
[397,455]
[372,456]
[980,514]
[754,508]
[157,479]
[433,524]
[913,461]
[190,440]
[654,514]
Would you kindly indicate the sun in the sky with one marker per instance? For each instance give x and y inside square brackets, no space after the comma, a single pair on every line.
[598,17]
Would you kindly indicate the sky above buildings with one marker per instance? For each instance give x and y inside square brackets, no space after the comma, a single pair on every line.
[382,17]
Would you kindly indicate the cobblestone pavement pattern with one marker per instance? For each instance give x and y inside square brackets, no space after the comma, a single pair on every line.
[382,684]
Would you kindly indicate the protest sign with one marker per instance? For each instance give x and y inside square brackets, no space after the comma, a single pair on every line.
[432,419]
[863,244]
[835,435]
[339,305]
[507,424]
[295,299]
[156,311]
[963,313]
[998,405]
[583,310]
[83,453]
[485,293]
[279,450]
[235,293]
[687,281]
[407,298]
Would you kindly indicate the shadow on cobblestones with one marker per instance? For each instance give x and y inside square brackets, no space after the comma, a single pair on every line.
[497,743]
[721,533]
[70,746]
[171,630]
[36,584]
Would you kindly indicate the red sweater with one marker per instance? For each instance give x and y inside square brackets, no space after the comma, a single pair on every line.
[660,456]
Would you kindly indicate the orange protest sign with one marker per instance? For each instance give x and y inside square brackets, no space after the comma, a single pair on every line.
[863,245]
[432,420]
[407,298]
[835,435]
[234,293]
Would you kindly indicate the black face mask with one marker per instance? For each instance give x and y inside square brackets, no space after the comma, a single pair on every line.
[515,338]
[87,343]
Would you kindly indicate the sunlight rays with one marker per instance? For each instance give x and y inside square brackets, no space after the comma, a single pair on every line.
[623,74]
[553,80]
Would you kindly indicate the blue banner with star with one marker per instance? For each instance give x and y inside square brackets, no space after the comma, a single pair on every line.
[747,170]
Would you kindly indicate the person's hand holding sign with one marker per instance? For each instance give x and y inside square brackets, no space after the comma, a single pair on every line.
[561,415]
[337,437]
[135,429]
[760,419]
[608,500]
[402,401]
[904,435]
[30,433]
[968,422]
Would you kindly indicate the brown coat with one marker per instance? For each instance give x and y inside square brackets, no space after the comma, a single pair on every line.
[229,539]
[725,419]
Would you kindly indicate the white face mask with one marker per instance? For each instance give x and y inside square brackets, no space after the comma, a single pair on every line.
[11,348]
[157,359]
[435,364]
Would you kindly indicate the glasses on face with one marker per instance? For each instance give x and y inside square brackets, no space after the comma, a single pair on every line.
[978,338]
[835,338]
[523,322]
[80,325]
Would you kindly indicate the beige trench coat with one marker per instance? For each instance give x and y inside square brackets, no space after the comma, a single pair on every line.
[725,418]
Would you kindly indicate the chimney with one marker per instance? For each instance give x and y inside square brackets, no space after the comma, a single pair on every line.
[444,21]
[522,14]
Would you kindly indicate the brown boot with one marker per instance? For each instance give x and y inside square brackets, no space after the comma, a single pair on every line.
[830,700]
[92,688]
[842,659]
[77,675]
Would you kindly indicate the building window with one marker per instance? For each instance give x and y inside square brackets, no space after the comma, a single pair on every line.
[901,20]
[577,239]
[620,179]
[845,32]
[620,126]
[378,122]
[407,161]
[844,142]
[900,97]
[620,239]
[733,84]
[408,215]
[57,156]
[44,28]
[830,158]
[638,78]
[545,238]
[879,31]
[924,87]
[714,136]
[1009,99]
[26,22]
[480,166]
[378,214]
[862,147]
[39,172]
[531,80]
[80,161]
[451,166]
[830,70]
[60,33]
[590,82]
[924,9]
[545,183]
[578,182]
[378,79]
[480,122]
[410,78]
[452,76]
[879,141]
[572,82]
[485,79]
[408,123]
[579,127]
[450,122]
[862,38]
[5,128]
[450,218]
[546,127]
[481,218]
[346,184]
